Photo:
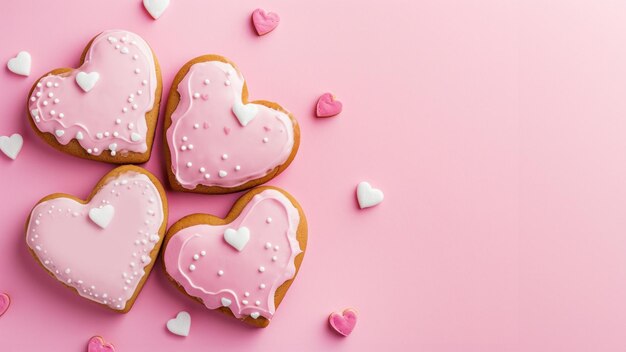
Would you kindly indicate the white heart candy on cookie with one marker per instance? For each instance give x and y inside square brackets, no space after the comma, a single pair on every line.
[111,99]
[103,248]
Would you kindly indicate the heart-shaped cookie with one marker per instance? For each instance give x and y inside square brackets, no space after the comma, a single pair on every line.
[106,109]
[107,258]
[217,141]
[247,281]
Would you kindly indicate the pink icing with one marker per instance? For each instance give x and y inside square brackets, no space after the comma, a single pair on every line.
[264,22]
[327,106]
[343,323]
[5,302]
[111,116]
[104,265]
[97,344]
[272,221]
[208,144]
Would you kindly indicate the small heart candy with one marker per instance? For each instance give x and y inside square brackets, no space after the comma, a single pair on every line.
[97,344]
[264,22]
[267,229]
[327,106]
[86,81]
[20,64]
[368,196]
[180,325]
[343,323]
[156,7]
[5,302]
[11,146]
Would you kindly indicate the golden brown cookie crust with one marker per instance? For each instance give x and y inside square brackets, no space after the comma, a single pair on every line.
[153,254]
[235,211]
[172,104]
[74,148]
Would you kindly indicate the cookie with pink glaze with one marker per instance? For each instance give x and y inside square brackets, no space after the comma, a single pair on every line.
[102,248]
[97,344]
[244,264]
[216,140]
[107,108]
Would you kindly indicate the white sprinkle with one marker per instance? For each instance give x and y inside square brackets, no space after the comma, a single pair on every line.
[202,170]
[56,84]
[261,269]
[274,258]
[276,248]
[203,253]
[206,82]
[67,271]
[124,109]
[247,294]
[207,176]
[226,82]
[52,112]
[50,95]
[196,257]
[61,115]
[116,134]
[262,286]
[144,82]
[99,135]
[154,238]
[45,102]
[135,106]
[245,301]
[56,100]
[189,164]
[265,140]
[107,134]
[185,139]
[190,147]
[220,273]
[49,84]
[139,92]
[268,245]
[183,148]
[268,220]
[237,168]
[196,126]
[131,126]
[192,267]
[137,70]
[196,95]
[38,84]
[224,156]
[223,173]
[130,100]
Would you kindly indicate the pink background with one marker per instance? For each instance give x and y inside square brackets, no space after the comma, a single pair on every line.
[496,129]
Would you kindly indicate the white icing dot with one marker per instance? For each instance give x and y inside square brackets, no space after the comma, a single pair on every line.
[261,269]
[135,106]
[130,100]
[154,238]
[196,257]
[50,95]
[183,148]
[107,134]
[139,92]
[124,109]
[247,294]
[202,170]
[56,84]
[124,50]
[276,248]
[265,140]
[207,176]
[220,272]
[190,147]
[224,156]
[237,168]
[189,164]
[223,173]
[185,139]
[203,253]
[116,134]
[45,102]
[89,151]
[61,115]
[137,70]
[33,99]
[144,82]
[67,271]
[245,301]
[131,126]
[258,303]
[99,135]
[135,57]
[226,82]
[132,264]
[206,82]
[196,126]
[268,220]
[268,245]
[196,95]
[56,100]
[192,267]
[262,286]
[49,84]
[274,258]
[38,84]
[38,94]
[52,112]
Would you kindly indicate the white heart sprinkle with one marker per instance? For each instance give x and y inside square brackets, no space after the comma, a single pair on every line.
[223,173]
[255,315]
[124,50]
[135,137]
[102,216]
[156,7]
[20,64]
[226,302]
[180,325]
[79,135]
[34,113]
[11,146]
[237,238]
[368,196]
[244,113]
[59,133]
[86,81]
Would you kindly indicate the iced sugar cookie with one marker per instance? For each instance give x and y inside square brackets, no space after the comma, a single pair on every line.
[106,109]
[241,265]
[217,141]
[102,248]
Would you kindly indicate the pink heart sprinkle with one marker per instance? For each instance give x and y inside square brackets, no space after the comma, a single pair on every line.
[227,130]
[267,128]
[5,302]
[97,344]
[206,125]
[264,22]
[205,96]
[327,106]
[343,323]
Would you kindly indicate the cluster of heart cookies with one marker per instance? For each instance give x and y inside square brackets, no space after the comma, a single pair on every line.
[217,141]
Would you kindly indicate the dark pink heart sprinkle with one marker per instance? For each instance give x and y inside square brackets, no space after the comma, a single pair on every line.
[267,128]
[343,323]
[226,130]
[206,125]
[205,96]
[5,302]
[97,344]
[264,22]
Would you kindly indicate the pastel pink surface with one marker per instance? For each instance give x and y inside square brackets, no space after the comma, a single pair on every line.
[5,302]
[226,152]
[264,22]
[97,344]
[265,263]
[113,111]
[495,128]
[104,265]
[343,322]
[327,106]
